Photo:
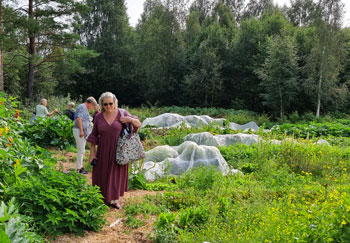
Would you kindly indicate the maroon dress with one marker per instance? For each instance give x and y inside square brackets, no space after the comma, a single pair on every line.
[107,174]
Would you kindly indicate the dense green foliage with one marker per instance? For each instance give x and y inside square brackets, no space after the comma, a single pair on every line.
[48,201]
[313,129]
[233,54]
[55,132]
[60,203]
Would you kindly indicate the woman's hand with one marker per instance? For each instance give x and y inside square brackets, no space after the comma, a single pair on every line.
[92,156]
[126,119]
[92,152]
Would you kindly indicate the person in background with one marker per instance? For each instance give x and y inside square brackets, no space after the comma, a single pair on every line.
[97,110]
[41,110]
[82,129]
[70,112]
[111,177]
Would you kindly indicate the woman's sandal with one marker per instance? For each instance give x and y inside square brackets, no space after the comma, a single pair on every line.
[116,205]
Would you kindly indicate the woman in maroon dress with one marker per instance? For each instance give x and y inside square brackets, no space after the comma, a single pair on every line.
[107,174]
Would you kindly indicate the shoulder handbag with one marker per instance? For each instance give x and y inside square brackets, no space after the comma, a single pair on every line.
[129,146]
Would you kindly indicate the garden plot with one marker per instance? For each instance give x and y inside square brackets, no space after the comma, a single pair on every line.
[209,139]
[175,160]
[293,188]
[170,120]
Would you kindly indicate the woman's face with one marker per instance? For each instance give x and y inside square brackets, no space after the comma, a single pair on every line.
[108,104]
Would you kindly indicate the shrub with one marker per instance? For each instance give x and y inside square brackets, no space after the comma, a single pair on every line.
[56,131]
[60,203]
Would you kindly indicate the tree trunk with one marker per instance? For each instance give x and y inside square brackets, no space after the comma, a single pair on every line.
[31,52]
[1,63]
[320,85]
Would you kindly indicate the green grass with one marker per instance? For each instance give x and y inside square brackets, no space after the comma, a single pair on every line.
[61,158]
[289,193]
[71,149]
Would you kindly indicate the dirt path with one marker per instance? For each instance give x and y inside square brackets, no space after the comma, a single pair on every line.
[115,230]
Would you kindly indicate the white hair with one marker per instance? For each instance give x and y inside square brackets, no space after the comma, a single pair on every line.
[107,95]
[42,101]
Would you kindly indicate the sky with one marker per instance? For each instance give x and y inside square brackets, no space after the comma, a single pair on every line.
[135,8]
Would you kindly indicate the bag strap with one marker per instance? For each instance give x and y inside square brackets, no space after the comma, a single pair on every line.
[128,128]
[121,112]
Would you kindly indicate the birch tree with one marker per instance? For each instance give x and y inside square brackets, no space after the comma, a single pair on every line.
[324,62]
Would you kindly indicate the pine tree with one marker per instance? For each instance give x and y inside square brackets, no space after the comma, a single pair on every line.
[279,74]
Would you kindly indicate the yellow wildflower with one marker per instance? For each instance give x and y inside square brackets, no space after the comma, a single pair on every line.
[17,161]
[6,129]
[1,131]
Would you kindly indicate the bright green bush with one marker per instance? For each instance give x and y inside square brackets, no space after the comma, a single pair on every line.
[55,131]
[60,203]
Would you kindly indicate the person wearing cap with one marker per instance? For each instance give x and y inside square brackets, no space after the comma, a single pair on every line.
[70,112]
[82,129]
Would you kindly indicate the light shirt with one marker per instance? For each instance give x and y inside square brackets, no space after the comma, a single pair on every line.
[85,117]
[41,111]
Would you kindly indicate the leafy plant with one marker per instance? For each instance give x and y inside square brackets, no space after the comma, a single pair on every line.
[60,203]
[56,131]
[165,228]
[313,129]
[14,226]
[137,181]
[18,157]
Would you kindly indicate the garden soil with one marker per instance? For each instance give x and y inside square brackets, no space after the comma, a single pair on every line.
[115,231]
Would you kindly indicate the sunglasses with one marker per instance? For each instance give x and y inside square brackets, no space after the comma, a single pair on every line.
[106,104]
